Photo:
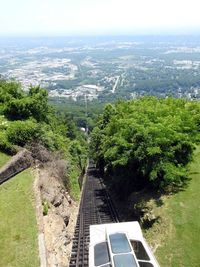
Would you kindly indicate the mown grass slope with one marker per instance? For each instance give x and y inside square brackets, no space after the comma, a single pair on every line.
[18,228]
[178,235]
[3,159]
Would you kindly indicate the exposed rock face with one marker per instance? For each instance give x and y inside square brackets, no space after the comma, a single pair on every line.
[60,220]
[58,200]
[56,243]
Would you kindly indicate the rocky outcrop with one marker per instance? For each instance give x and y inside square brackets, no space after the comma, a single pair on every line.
[21,161]
[59,219]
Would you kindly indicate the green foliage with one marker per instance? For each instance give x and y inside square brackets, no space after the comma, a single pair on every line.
[9,90]
[29,119]
[79,153]
[34,104]
[5,145]
[17,109]
[23,132]
[74,174]
[179,228]
[75,110]
[71,131]
[4,158]
[146,142]
[46,207]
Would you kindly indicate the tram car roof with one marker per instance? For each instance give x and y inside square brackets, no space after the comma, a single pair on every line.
[119,245]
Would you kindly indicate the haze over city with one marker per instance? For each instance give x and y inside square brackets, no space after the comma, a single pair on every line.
[93,17]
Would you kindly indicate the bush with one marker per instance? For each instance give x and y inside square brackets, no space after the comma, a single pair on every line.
[18,109]
[22,132]
[5,145]
[53,140]
[46,207]
[9,90]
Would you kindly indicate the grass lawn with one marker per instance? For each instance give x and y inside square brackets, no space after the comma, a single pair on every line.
[18,228]
[178,236]
[3,159]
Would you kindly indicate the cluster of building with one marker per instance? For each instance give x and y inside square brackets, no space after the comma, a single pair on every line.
[88,91]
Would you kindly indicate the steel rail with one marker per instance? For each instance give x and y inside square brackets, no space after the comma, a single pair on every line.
[96,207]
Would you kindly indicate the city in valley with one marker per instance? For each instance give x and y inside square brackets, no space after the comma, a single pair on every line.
[104,68]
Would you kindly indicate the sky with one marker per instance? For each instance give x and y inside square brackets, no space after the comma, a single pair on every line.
[99,17]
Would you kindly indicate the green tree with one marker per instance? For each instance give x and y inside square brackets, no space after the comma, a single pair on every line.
[21,106]
[146,142]
[23,132]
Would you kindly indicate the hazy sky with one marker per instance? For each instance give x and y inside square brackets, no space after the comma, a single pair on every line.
[74,17]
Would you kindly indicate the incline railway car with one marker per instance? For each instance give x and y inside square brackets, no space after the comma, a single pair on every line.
[119,245]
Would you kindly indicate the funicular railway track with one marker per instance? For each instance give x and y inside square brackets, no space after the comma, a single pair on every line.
[95,208]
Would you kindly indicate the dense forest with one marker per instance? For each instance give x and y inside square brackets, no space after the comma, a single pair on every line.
[81,114]
[146,143]
[27,119]
[136,144]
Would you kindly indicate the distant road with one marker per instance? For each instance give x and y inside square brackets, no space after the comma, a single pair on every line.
[115,85]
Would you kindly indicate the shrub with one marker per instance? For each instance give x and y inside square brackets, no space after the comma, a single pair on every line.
[18,109]
[22,132]
[46,207]
[5,145]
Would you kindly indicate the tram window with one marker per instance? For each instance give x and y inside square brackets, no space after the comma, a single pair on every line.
[124,260]
[145,264]
[119,243]
[139,250]
[101,255]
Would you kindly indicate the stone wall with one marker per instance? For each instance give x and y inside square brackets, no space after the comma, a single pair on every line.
[21,161]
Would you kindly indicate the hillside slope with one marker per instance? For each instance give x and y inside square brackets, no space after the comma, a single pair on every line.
[18,227]
[177,236]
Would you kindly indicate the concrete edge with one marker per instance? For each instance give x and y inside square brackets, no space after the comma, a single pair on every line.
[39,218]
